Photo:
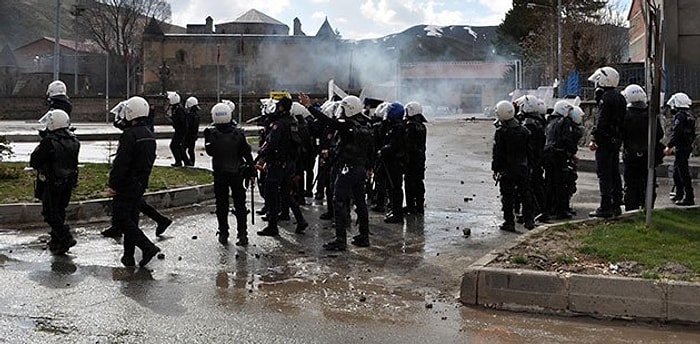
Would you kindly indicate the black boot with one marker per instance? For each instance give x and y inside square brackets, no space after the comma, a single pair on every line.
[602,213]
[269,231]
[223,236]
[335,245]
[148,254]
[360,241]
[112,232]
[301,227]
[687,201]
[162,226]
[507,227]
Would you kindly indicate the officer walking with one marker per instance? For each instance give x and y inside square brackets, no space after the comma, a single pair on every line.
[190,139]
[278,155]
[179,122]
[635,147]
[681,144]
[510,167]
[231,162]
[606,141]
[128,180]
[56,163]
[353,159]
[415,152]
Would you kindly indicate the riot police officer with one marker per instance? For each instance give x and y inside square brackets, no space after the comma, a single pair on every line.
[531,115]
[393,157]
[279,153]
[681,144]
[606,141]
[510,166]
[635,146]
[190,139]
[57,98]
[231,162]
[415,152]
[56,163]
[354,157]
[128,180]
[179,121]
[561,145]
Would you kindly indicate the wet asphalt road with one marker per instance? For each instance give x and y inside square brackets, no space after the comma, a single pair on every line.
[403,289]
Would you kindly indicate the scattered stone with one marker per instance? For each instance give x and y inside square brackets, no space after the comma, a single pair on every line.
[363,298]
[161,256]
[467,232]
[194,237]
[257,256]
[369,270]
[437,254]
[467,199]
[428,306]
[301,252]
[461,182]
[444,318]
[179,258]
[459,209]
[236,256]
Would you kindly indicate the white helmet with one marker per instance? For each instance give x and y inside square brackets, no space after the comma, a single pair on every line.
[56,88]
[230,104]
[173,98]
[299,110]
[119,110]
[413,109]
[221,113]
[605,77]
[679,100]
[382,109]
[329,107]
[527,104]
[563,107]
[349,106]
[269,106]
[505,110]
[576,114]
[634,94]
[541,106]
[55,119]
[190,102]
[136,107]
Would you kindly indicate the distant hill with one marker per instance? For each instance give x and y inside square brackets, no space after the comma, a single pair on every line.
[439,43]
[23,21]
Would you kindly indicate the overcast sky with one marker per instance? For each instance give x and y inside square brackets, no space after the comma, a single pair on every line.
[355,19]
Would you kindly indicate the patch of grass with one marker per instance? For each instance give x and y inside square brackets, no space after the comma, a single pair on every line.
[564,227]
[648,274]
[564,259]
[92,181]
[520,260]
[674,237]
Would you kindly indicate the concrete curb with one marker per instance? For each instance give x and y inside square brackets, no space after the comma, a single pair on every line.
[101,209]
[249,131]
[577,294]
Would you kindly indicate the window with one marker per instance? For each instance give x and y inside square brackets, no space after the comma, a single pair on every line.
[239,76]
[180,56]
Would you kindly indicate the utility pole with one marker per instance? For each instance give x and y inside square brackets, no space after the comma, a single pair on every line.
[77,12]
[218,89]
[559,57]
[57,45]
[653,69]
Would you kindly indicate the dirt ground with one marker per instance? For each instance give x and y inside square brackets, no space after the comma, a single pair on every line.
[556,249]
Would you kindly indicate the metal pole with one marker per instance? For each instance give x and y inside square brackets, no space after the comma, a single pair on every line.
[128,76]
[218,89]
[56,45]
[107,89]
[559,57]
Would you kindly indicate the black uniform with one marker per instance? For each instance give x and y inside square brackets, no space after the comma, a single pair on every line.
[177,143]
[510,162]
[682,138]
[381,178]
[61,102]
[190,138]
[393,156]
[280,152]
[232,162]
[572,135]
[129,176]
[557,152]
[415,164]
[56,161]
[635,154]
[354,156]
[606,134]
[535,123]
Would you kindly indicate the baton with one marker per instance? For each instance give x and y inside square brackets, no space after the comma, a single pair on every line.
[252,200]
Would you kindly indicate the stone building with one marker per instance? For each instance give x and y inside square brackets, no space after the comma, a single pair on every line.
[252,55]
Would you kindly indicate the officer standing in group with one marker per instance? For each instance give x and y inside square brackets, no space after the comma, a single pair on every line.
[354,156]
[510,165]
[393,157]
[231,162]
[57,97]
[179,121]
[162,222]
[531,115]
[56,163]
[190,139]
[634,132]
[416,134]
[606,141]
[128,180]
[278,155]
[681,144]
[558,151]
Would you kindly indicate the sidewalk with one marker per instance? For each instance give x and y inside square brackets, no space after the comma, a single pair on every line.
[22,131]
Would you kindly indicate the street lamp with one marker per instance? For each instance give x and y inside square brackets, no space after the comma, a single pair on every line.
[76,12]
[559,37]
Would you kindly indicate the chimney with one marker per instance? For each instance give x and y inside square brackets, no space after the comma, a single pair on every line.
[297,28]
[209,24]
